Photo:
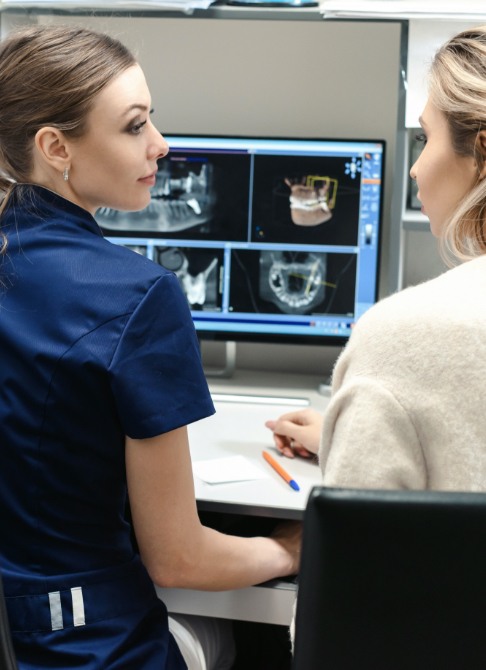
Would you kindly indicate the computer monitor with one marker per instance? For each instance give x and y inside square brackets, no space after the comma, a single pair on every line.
[272,239]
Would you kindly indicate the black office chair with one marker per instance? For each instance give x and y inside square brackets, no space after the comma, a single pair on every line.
[7,655]
[392,580]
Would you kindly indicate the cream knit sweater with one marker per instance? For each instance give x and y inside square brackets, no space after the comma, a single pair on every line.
[408,407]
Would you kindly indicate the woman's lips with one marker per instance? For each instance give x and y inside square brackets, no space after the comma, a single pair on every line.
[149,180]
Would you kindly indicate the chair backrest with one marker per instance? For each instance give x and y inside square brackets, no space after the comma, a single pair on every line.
[7,655]
[392,580]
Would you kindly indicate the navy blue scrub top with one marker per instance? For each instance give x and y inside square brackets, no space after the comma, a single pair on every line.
[96,343]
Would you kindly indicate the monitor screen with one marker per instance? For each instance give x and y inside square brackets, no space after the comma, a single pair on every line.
[272,239]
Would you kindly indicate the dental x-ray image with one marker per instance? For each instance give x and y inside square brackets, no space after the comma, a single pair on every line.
[196,195]
[198,272]
[183,197]
[292,282]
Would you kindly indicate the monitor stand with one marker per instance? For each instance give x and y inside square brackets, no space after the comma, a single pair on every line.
[227,371]
[229,366]
[324,387]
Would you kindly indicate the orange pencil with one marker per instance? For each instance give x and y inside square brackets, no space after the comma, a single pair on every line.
[278,468]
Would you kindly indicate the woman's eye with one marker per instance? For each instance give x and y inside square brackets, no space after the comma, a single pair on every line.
[421,137]
[137,128]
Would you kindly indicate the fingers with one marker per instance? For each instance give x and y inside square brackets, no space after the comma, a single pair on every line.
[303,452]
[286,449]
[292,431]
[298,416]
[289,448]
[297,432]
[283,444]
[282,441]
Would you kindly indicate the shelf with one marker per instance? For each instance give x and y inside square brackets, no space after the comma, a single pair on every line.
[215,11]
[414,220]
[218,10]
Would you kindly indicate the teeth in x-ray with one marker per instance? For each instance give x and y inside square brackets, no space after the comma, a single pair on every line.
[194,205]
[160,215]
[294,285]
[195,287]
[166,184]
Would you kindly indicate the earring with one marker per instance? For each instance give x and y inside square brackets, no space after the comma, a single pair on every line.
[65,174]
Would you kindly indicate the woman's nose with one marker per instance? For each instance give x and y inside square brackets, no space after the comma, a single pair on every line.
[158,146]
[163,147]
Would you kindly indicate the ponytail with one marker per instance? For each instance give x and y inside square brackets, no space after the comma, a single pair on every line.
[6,188]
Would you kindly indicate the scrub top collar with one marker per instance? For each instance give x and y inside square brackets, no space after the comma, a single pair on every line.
[44,204]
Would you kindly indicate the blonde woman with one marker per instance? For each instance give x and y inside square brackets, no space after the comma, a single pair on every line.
[407,406]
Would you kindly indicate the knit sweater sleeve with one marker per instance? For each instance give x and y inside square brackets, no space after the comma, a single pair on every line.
[369,440]
[372,436]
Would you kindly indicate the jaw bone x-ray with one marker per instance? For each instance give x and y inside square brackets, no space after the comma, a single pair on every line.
[181,198]
[200,288]
[312,199]
[293,281]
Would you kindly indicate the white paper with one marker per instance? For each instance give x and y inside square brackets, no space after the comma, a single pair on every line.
[227,469]
[187,6]
[404,9]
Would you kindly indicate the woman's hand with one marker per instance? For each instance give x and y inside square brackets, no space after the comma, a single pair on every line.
[288,534]
[297,432]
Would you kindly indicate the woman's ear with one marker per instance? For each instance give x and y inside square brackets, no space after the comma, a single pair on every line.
[481,148]
[52,148]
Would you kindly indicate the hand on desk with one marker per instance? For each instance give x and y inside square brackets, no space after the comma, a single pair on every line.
[297,432]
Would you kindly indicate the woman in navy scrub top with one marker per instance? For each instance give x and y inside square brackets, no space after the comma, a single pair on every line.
[100,374]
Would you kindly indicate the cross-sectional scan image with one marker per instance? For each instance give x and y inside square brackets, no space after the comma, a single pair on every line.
[196,195]
[306,200]
[292,282]
[198,272]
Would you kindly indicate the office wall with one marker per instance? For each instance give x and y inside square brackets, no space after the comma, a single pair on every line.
[286,77]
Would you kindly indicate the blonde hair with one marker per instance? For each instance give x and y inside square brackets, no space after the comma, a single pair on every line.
[49,76]
[457,87]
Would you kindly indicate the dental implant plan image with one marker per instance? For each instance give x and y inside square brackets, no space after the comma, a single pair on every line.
[312,199]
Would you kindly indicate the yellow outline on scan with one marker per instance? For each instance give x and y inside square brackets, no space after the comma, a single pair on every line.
[311,180]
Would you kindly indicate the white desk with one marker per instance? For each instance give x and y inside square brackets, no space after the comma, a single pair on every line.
[238,428]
